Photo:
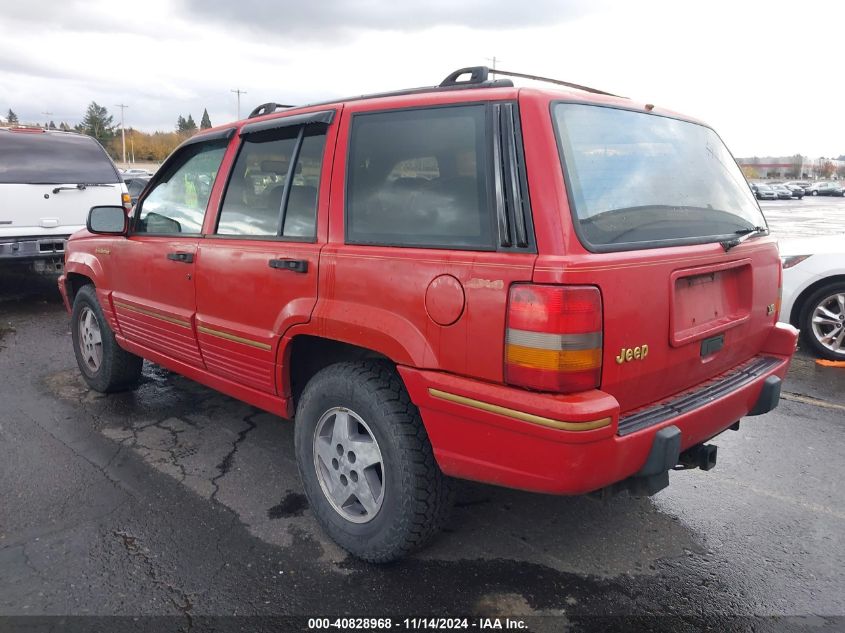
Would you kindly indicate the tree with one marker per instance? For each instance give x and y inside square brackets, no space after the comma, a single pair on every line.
[98,123]
[749,172]
[205,122]
[52,125]
[11,118]
[797,164]
[64,127]
[840,171]
[180,124]
[190,125]
[825,168]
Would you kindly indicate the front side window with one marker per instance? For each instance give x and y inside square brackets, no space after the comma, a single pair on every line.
[420,178]
[262,198]
[640,180]
[176,203]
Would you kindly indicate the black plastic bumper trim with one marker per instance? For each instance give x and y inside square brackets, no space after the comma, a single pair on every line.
[769,396]
[690,401]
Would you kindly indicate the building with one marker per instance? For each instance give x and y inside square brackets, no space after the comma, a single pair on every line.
[796,166]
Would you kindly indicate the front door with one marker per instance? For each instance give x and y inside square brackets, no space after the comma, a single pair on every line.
[257,272]
[154,280]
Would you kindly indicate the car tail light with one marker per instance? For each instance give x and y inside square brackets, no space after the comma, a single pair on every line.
[554,337]
[127,201]
[792,260]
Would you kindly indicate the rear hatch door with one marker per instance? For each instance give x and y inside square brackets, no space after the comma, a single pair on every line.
[668,229]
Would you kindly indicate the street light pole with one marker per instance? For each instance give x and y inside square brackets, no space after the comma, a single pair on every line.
[122,130]
[239,92]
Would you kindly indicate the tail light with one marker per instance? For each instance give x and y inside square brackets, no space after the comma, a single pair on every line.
[779,301]
[554,337]
[127,202]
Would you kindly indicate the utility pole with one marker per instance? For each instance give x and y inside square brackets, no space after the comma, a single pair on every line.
[122,130]
[493,59]
[239,93]
[46,121]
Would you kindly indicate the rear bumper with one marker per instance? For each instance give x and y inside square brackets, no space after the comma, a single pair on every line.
[568,444]
[32,248]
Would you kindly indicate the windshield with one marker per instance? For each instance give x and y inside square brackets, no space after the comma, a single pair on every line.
[54,159]
[639,180]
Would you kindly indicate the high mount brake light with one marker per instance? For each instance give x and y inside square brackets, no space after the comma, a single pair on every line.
[554,338]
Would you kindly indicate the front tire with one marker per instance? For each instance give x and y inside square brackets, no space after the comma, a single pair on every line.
[366,462]
[104,365]
[822,321]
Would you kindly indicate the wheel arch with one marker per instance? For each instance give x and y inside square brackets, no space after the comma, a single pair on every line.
[81,269]
[798,304]
[74,282]
[306,354]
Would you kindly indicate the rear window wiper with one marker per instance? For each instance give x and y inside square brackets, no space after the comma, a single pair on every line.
[744,235]
[83,185]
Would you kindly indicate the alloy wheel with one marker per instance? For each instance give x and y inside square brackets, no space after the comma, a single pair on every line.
[828,322]
[90,339]
[349,465]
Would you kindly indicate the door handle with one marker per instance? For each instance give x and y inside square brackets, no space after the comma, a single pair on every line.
[186,258]
[295,265]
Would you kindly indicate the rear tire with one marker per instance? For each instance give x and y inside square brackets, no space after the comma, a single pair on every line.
[366,462]
[821,326]
[104,365]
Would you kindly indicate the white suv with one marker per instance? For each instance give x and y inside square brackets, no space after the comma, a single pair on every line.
[48,182]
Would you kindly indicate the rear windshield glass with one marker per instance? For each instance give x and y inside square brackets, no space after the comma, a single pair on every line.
[639,180]
[37,158]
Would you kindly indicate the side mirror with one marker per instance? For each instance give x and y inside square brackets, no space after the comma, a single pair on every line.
[107,220]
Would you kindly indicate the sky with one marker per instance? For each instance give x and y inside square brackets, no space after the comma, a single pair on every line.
[767,75]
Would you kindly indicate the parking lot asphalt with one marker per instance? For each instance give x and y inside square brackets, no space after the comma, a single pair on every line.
[812,215]
[176,500]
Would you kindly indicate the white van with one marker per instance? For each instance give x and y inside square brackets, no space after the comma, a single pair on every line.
[48,182]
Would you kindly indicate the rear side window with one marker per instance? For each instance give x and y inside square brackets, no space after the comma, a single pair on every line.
[420,178]
[639,180]
[54,159]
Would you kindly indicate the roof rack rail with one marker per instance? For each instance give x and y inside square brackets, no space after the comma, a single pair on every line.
[267,108]
[479,77]
[476,81]
[549,80]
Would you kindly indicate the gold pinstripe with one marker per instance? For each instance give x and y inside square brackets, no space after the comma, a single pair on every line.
[232,337]
[155,315]
[519,415]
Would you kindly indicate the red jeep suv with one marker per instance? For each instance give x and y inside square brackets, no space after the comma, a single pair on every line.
[557,291]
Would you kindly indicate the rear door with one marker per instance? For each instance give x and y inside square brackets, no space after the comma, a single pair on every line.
[258,267]
[435,231]
[657,207]
[155,266]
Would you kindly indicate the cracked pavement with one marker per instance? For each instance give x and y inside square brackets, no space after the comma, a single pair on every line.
[176,500]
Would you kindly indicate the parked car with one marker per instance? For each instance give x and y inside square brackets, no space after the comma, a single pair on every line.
[765,192]
[804,184]
[797,191]
[376,269]
[136,185]
[782,191]
[48,182]
[814,292]
[824,189]
[134,172]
